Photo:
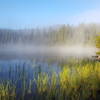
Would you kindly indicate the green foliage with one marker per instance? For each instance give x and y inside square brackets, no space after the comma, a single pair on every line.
[80,82]
[7,91]
[98,44]
[98,41]
[42,83]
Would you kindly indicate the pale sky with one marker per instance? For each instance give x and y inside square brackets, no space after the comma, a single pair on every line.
[19,14]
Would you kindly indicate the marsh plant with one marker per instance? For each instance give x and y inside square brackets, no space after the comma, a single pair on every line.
[78,81]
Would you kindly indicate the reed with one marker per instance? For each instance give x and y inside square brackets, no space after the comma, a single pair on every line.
[78,81]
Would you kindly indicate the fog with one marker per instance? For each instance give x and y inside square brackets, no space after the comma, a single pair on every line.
[57,41]
[31,51]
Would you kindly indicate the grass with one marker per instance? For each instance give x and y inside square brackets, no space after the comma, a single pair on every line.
[78,80]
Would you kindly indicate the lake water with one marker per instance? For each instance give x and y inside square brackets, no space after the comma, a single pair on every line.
[33,60]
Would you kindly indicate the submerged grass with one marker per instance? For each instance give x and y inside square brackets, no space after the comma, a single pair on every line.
[76,81]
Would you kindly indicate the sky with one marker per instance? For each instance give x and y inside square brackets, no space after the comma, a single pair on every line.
[21,14]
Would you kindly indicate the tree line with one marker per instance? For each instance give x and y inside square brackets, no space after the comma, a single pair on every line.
[55,35]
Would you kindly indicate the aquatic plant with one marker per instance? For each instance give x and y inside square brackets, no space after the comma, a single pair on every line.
[78,81]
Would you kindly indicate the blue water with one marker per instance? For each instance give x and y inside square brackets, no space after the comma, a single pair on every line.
[14,69]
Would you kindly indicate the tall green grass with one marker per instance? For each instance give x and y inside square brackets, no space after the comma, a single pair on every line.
[78,80]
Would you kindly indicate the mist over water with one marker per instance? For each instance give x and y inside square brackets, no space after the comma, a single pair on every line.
[32,51]
[54,42]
